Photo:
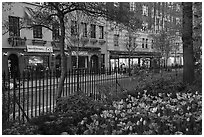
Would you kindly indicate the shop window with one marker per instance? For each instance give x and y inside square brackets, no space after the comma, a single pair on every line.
[37,63]
[55,32]
[93,31]
[84,29]
[37,32]
[14,26]
[82,61]
[146,43]
[101,32]
[116,38]
[73,28]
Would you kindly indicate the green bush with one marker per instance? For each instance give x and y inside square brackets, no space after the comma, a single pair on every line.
[69,112]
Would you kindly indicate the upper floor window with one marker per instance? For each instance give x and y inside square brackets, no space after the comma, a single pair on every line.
[178,21]
[143,42]
[55,32]
[14,28]
[157,13]
[37,32]
[73,28]
[144,10]
[178,8]
[93,31]
[116,38]
[132,6]
[146,43]
[144,26]
[152,13]
[101,32]
[134,42]
[84,29]
[152,44]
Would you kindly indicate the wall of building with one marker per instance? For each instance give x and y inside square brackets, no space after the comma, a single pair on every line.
[93,48]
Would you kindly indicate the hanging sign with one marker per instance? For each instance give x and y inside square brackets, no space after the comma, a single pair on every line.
[33,48]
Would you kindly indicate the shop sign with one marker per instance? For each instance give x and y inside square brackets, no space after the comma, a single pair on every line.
[80,53]
[32,48]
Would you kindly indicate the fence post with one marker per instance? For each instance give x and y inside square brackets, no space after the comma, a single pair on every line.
[77,72]
[116,81]
[14,97]
[4,102]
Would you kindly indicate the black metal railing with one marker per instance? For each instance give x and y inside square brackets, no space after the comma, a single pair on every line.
[28,96]
[34,93]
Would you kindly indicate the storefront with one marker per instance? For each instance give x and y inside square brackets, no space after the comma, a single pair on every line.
[33,58]
[39,58]
[120,59]
[88,57]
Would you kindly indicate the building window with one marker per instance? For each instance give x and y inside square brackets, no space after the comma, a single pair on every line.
[144,10]
[101,32]
[55,32]
[134,42]
[93,31]
[37,32]
[144,26]
[178,7]
[116,38]
[146,43]
[84,29]
[14,26]
[143,42]
[73,28]
[178,21]
[152,44]
[37,62]
[153,13]
[132,6]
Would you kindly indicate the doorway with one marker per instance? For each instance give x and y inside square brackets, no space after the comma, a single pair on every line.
[94,63]
[13,66]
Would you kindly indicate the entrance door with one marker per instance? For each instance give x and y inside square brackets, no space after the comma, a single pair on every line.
[94,63]
[13,66]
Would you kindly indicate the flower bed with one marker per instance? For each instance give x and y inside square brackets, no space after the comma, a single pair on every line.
[163,113]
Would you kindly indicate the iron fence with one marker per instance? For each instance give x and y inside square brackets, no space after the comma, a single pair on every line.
[34,93]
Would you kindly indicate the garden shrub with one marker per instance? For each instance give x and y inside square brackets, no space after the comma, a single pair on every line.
[69,112]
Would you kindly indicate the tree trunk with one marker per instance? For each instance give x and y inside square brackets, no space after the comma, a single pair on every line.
[63,59]
[188,69]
